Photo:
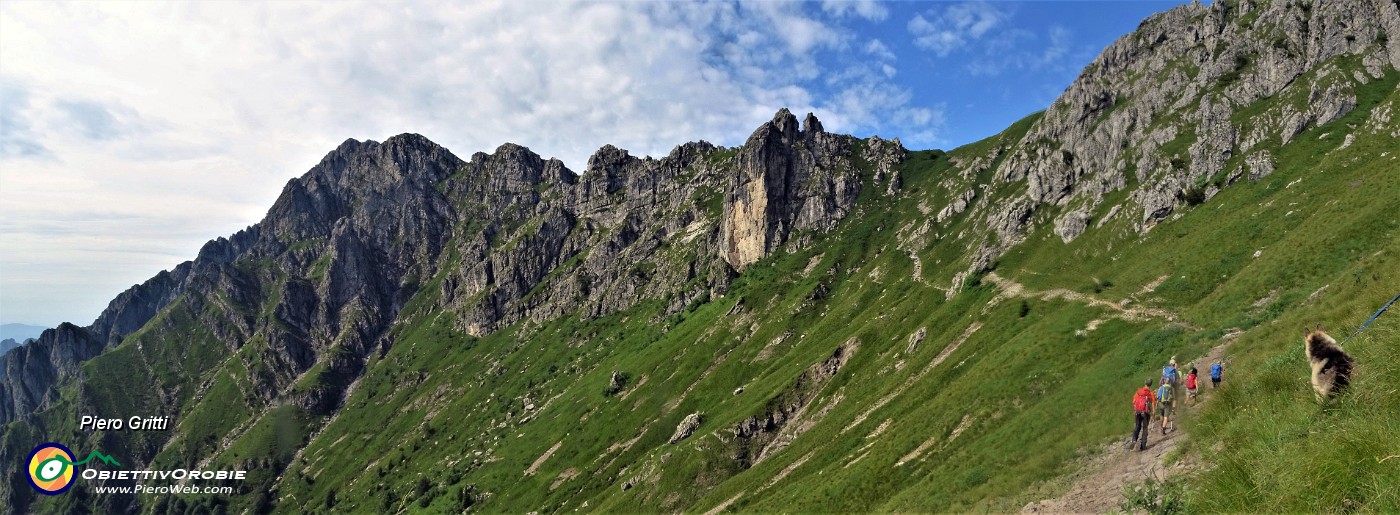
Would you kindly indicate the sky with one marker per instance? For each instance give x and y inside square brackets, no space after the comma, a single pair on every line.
[132,133]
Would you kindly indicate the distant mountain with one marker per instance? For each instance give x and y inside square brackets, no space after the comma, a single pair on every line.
[7,344]
[20,332]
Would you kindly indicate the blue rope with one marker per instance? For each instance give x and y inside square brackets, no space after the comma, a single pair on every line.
[1373,317]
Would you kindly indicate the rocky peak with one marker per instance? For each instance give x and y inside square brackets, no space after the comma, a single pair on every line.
[368,181]
[516,169]
[132,308]
[607,166]
[784,123]
[413,155]
[7,344]
[685,153]
[370,212]
[226,250]
[359,166]
[810,125]
[29,374]
[607,160]
[784,183]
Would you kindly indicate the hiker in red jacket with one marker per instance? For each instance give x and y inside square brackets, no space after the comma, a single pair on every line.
[1191,386]
[1142,414]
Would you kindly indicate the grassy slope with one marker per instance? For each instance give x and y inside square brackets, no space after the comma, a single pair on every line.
[444,420]
[1031,393]
[1274,447]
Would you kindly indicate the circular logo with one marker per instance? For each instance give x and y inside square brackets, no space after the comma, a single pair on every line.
[51,468]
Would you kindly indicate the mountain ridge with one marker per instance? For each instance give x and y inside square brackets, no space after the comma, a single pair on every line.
[20,332]
[353,282]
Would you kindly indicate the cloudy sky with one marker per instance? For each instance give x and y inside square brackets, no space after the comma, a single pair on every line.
[131,133]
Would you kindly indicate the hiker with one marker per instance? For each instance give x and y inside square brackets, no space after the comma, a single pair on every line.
[1170,375]
[1165,399]
[1191,386]
[1216,371]
[1142,414]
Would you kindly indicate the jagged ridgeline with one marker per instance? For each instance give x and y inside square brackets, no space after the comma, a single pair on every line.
[809,321]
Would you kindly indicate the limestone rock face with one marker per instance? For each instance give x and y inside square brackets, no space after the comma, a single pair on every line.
[885,156]
[686,428]
[958,205]
[1161,114]
[1260,165]
[132,308]
[1071,225]
[791,180]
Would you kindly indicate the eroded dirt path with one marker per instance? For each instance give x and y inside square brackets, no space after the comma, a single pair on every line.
[1126,309]
[1098,485]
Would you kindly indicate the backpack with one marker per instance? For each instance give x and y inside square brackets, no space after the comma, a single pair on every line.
[1164,394]
[1191,381]
[1141,400]
[1169,374]
[1215,371]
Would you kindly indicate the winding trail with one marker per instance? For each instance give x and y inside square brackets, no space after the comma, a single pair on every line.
[1098,486]
[1124,309]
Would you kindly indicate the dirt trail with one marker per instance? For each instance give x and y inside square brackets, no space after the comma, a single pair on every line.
[1098,486]
[1124,309]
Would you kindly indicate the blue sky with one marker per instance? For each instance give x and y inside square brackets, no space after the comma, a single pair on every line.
[131,133]
[978,66]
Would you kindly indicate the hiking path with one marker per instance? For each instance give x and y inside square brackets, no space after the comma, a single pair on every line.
[1098,486]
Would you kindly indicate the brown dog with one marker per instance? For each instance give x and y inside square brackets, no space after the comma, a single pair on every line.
[1331,366]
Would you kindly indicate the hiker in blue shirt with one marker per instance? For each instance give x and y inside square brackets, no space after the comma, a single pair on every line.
[1216,371]
[1170,375]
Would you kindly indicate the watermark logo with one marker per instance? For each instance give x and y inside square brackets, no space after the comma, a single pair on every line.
[52,467]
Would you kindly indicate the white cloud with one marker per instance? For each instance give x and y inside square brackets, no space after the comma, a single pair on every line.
[1021,49]
[17,138]
[877,49]
[956,26]
[137,131]
[868,9]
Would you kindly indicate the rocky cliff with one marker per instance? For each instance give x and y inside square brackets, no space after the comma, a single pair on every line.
[1160,120]
[33,371]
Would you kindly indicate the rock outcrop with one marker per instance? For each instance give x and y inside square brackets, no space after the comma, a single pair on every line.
[1160,114]
[791,181]
[33,371]
[686,428]
[759,435]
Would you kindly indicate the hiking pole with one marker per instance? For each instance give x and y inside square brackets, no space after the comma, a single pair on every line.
[1372,319]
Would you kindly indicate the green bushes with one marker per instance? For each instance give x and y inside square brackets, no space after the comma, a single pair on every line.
[1158,497]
